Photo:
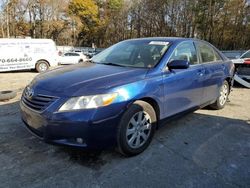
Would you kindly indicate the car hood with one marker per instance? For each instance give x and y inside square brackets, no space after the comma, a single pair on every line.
[86,79]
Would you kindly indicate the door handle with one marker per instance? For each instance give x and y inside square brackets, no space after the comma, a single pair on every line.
[201,72]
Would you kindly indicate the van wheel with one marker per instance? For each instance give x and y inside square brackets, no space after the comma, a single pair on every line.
[42,66]
[136,129]
[222,99]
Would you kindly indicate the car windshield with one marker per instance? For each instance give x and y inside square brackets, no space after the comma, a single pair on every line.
[246,55]
[133,53]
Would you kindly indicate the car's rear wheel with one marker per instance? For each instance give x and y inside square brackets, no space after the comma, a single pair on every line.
[42,66]
[223,96]
[136,129]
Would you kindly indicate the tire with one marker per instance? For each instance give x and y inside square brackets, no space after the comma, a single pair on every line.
[42,66]
[6,95]
[134,138]
[222,99]
[80,61]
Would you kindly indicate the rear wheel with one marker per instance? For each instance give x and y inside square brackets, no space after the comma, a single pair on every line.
[42,66]
[222,99]
[136,129]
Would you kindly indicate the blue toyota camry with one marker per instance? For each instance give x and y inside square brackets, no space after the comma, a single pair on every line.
[121,96]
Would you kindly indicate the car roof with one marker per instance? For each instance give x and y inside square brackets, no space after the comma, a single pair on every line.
[177,40]
[167,39]
[171,40]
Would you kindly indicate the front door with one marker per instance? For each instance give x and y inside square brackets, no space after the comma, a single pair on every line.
[183,88]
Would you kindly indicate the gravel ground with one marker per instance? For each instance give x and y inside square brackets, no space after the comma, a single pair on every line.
[206,148]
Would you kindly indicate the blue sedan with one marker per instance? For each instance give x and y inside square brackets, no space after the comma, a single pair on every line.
[123,94]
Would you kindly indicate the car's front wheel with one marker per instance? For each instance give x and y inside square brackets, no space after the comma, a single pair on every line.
[223,96]
[136,128]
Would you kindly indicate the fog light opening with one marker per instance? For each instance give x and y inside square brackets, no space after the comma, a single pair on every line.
[79,140]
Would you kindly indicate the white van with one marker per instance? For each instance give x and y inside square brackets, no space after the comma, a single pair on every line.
[19,54]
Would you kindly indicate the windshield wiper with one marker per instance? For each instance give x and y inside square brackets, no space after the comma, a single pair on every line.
[113,64]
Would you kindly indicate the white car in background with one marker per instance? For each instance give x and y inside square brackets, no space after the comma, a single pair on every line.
[72,58]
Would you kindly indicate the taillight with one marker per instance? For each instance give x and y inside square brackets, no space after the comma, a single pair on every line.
[247,61]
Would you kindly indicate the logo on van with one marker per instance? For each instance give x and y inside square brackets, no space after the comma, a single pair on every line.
[29,92]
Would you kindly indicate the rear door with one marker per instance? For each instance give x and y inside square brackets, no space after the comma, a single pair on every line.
[183,88]
[214,70]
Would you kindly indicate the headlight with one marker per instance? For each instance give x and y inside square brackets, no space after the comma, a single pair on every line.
[88,102]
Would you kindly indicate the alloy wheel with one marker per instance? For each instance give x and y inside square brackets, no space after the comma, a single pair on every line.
[138,129]
[223,95]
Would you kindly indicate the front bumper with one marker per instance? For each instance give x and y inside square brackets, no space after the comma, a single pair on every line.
[95,128]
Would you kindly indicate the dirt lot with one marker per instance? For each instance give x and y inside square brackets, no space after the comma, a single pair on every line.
[203,149]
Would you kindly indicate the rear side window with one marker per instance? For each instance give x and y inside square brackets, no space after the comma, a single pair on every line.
[185,51]
[208,54]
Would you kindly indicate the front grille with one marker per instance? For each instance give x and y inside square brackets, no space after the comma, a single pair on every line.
[38,102]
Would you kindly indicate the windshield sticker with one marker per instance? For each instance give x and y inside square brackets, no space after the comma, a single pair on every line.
[162,43]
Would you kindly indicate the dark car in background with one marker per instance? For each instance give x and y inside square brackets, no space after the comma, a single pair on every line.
[233,54]
[92,52]
[120,97]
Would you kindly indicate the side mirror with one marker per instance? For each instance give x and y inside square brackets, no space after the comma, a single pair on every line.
[237,57]
[178,64]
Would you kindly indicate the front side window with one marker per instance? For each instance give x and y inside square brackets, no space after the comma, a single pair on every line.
[208,54]
[185,51]
[133,53]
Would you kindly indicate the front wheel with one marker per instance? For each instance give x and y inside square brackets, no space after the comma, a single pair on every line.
[222,99]
[42,66]
[136,129]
